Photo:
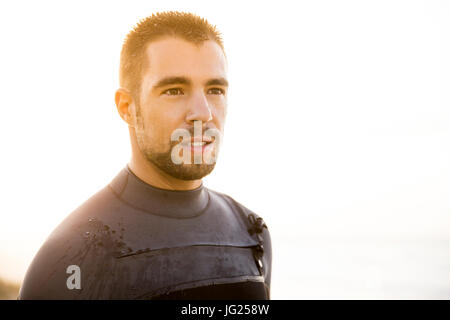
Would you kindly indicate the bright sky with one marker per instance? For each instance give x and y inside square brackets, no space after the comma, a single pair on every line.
[338,132]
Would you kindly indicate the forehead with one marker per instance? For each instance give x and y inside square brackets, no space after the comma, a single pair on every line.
[177,57]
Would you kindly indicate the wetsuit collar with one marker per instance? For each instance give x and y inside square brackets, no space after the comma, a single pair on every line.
[171,203]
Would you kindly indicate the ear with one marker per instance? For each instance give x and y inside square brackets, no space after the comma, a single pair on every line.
[125,104]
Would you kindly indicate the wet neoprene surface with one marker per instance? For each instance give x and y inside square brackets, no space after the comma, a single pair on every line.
[229,291]
[134,241]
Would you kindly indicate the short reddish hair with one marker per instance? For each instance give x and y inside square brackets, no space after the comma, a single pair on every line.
[133,59]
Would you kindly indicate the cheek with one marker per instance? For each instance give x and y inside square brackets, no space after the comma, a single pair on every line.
[159,129]
[220,117]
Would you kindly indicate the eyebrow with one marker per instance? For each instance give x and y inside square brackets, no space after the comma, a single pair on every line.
[218,82]
[183,80]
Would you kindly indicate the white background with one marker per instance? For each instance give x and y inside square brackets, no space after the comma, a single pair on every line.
[338,133]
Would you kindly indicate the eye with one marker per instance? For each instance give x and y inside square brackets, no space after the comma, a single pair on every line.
[173,92]
[216,91]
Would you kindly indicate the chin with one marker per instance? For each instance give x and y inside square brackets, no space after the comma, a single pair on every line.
[188,172]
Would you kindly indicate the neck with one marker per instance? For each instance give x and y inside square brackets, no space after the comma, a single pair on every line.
[151,174]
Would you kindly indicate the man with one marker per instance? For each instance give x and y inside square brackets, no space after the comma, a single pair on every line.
[155,232]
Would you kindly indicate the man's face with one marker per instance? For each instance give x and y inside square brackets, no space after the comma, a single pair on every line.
[185,84]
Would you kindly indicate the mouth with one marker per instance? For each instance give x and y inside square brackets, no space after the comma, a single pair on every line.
[199,145]
[198,142]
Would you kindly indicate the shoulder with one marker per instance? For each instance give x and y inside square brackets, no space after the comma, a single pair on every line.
[254,222]
[246,213]
[72,243]
[257,227]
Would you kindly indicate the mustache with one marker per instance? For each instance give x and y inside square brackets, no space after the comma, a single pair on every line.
[191,130]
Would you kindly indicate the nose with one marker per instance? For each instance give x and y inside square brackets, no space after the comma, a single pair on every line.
[199,109]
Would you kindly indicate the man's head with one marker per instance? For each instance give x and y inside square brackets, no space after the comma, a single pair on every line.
[173,72]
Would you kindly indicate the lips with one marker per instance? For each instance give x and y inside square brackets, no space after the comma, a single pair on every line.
[198,141]
[205,139]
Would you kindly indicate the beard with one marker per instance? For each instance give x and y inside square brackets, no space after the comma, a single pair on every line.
[163,160]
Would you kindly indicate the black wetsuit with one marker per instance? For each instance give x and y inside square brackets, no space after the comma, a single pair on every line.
[134,241]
